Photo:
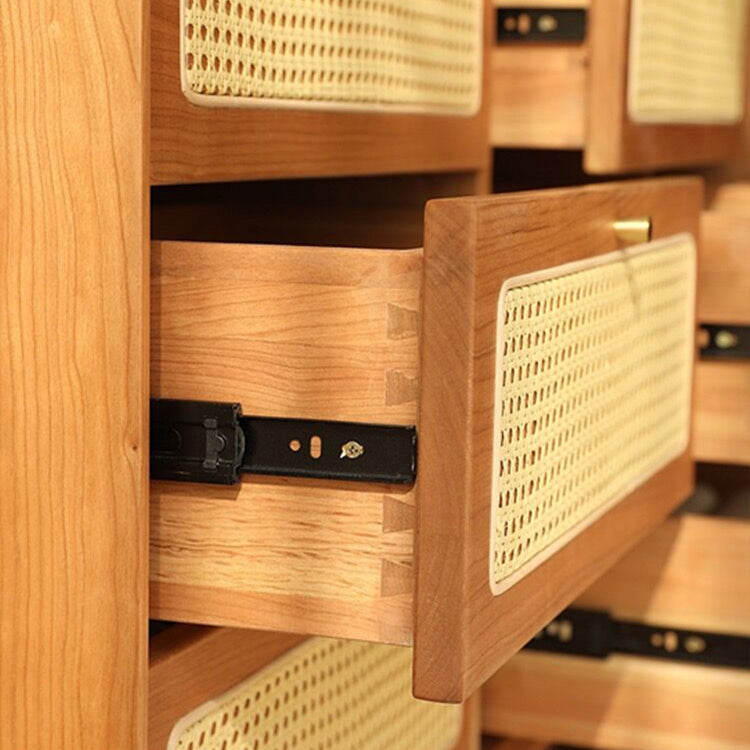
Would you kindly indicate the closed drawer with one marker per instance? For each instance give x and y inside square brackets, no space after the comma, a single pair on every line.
[548,368]
[225,689]
[632,92]
[252,90]
[691,574]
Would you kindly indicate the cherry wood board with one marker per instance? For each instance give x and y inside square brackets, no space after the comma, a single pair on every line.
[462,633]
[73,379]
[315,333]
[538,95]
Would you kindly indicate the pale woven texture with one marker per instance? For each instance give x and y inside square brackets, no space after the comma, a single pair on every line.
[687,61]
[594,394]
[422,54]
[324,695]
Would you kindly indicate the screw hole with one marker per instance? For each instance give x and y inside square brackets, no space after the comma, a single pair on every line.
[316,446]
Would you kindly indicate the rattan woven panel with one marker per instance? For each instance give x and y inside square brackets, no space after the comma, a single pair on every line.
[687,61]
[324,695]
[402,55]
[593,394]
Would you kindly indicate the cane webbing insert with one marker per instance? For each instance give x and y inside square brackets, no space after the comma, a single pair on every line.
[323,695]
[593,394]
[687,61]
[419,55]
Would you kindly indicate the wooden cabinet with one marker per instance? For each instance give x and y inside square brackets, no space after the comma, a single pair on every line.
[692,573]
[653,84]
[219,687]
[447,337]
[244,90]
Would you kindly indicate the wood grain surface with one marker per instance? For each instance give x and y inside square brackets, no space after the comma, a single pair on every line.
[538,95]
[462,633]
[190,665]
[316,333]
[73,378]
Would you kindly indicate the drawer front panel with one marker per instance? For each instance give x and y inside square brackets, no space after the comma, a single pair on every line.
[404,56]
[592,394]
[236,689]
[555,392]
[687,61]
[324,693]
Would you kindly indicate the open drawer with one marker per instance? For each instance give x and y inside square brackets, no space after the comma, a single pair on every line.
[264,89]
[620,79]
[221,688]
[690,582]
[546,358]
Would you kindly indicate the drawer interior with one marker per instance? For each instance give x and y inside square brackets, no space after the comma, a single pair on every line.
[691,574]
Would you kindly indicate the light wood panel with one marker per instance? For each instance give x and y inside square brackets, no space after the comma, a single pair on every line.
[692,572]
[317,333]
[73,396]
[620,702]
[190,665]
[724,280]
[538,95]
[462,632]
[616,144]
[208,144]
[722,412]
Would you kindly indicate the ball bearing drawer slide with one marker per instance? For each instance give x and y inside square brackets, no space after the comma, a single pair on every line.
[582,632]
[202,441]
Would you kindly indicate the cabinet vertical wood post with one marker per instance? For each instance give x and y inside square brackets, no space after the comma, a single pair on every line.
[73,377]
